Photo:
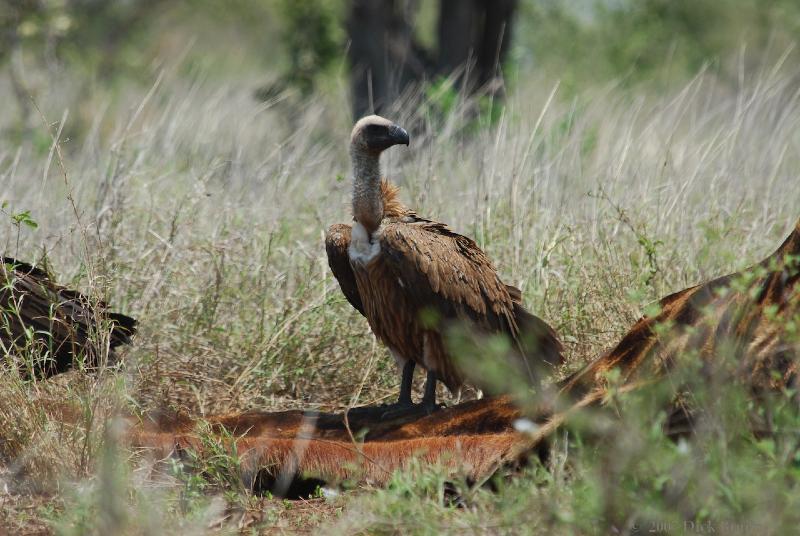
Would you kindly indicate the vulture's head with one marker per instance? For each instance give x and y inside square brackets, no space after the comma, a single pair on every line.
[374,134]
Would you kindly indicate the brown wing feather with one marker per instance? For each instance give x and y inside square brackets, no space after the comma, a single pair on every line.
[450,273]
[337,240]
[441,270]
[63,323]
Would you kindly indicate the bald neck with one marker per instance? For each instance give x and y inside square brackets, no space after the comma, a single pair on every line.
[367,201]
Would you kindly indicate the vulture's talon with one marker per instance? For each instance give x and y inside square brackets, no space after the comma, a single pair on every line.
[379,410]
[435,408]
[409,410]
[363,411]
[430,409]
[398,409]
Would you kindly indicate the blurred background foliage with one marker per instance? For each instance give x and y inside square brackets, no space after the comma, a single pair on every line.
[660,41]
[299,45]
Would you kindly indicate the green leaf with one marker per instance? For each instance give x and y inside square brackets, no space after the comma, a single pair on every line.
[24,218]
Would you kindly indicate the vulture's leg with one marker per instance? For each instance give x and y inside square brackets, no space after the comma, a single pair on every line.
[429,398]
[404,404]
[404,407]
[405,384]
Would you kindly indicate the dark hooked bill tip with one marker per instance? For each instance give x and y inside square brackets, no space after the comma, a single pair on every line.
[398,135]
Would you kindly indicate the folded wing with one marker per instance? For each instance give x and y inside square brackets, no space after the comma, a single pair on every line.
[62,323]
[337,240]
[448,272]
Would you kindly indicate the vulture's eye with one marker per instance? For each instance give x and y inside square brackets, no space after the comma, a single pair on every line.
[374,132]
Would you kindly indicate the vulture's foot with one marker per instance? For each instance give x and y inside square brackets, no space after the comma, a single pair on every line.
[398,409]
[432,408]
[381,410]
[408,410]
[367,411]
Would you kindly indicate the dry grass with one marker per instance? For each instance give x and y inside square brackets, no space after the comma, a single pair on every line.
[201,213]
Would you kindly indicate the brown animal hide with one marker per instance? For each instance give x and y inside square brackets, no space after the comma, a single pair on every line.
[283,451]
[741,327]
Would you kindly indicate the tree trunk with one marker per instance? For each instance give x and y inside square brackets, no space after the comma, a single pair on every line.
[495,41]
[473,40]
[457,36]
[386,61]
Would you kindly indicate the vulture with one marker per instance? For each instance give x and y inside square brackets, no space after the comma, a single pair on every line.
[59,324]
[412,277]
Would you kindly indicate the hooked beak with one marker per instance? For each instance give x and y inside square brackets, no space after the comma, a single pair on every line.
[398,135]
